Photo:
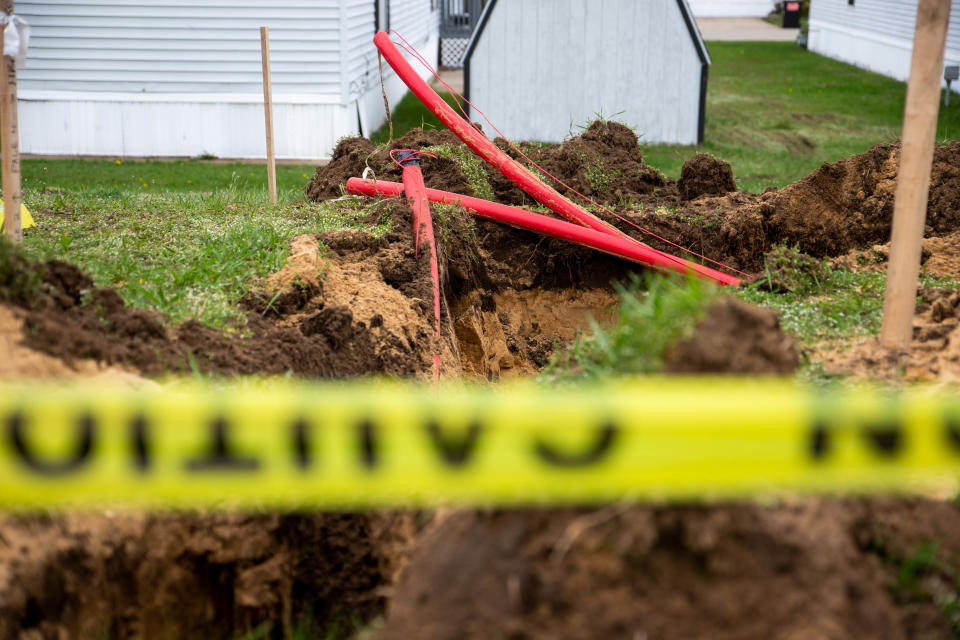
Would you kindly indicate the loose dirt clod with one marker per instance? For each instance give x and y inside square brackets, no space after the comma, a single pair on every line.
[735,338]
[704,175]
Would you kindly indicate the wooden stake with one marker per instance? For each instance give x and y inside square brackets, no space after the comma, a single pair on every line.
[913,178]
[10,140]
[268,112]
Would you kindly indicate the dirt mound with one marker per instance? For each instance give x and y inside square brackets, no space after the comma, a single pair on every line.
[939,256]
[844,205]
[72,319]
[833,569]
[353,155]
[848,204]
[20,362]
[735,338]
[704,175]
[605,162]
[194,576]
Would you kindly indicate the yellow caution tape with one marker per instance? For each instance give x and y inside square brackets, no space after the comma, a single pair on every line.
[26,220]
[356,445]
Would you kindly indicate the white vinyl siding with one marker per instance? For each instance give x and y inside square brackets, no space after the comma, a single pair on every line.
[874,34]
[183,77]
[181,46]
[894,18]
[415,20]
[731,8]
[360,55]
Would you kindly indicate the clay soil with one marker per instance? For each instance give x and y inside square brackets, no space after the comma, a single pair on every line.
[349,303]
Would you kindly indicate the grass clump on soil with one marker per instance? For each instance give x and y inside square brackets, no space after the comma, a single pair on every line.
[18,282]
[597,176]
[654,313]
[340,626]
[925,577]
[454,222]
[815,301]
[471,165]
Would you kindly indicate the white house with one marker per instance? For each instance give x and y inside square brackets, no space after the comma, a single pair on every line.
[537,68]
[732,8]
[874,34]
[183,77]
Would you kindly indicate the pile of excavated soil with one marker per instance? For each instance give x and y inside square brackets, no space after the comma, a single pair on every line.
[939,256]
[194,576]
[350,303]
[842,206]
[803,569]
[73,320]
[810,568]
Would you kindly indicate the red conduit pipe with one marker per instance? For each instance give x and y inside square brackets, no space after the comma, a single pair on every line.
[422,232]
[484,148]
[625,248]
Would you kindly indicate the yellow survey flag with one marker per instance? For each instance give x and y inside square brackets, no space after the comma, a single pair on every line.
[26,220]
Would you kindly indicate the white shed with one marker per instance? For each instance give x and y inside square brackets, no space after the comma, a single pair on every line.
[732,8]
[183,77]
[874,34]
[538,68]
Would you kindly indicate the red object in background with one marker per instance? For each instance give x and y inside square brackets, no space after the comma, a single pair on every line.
[422,231]
[623,247]
[483,147]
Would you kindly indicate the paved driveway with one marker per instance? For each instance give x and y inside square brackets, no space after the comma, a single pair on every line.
[744,29]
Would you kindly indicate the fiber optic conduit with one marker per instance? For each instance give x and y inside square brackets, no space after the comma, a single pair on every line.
[483,147]
[622,247]
[519,175]
[422,232]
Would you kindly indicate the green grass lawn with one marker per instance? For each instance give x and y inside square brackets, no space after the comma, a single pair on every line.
[776,112]
[106,177]
[408,114]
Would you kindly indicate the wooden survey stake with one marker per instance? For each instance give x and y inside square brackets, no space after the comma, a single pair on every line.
[913,177]
[10,140]
[268,113]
